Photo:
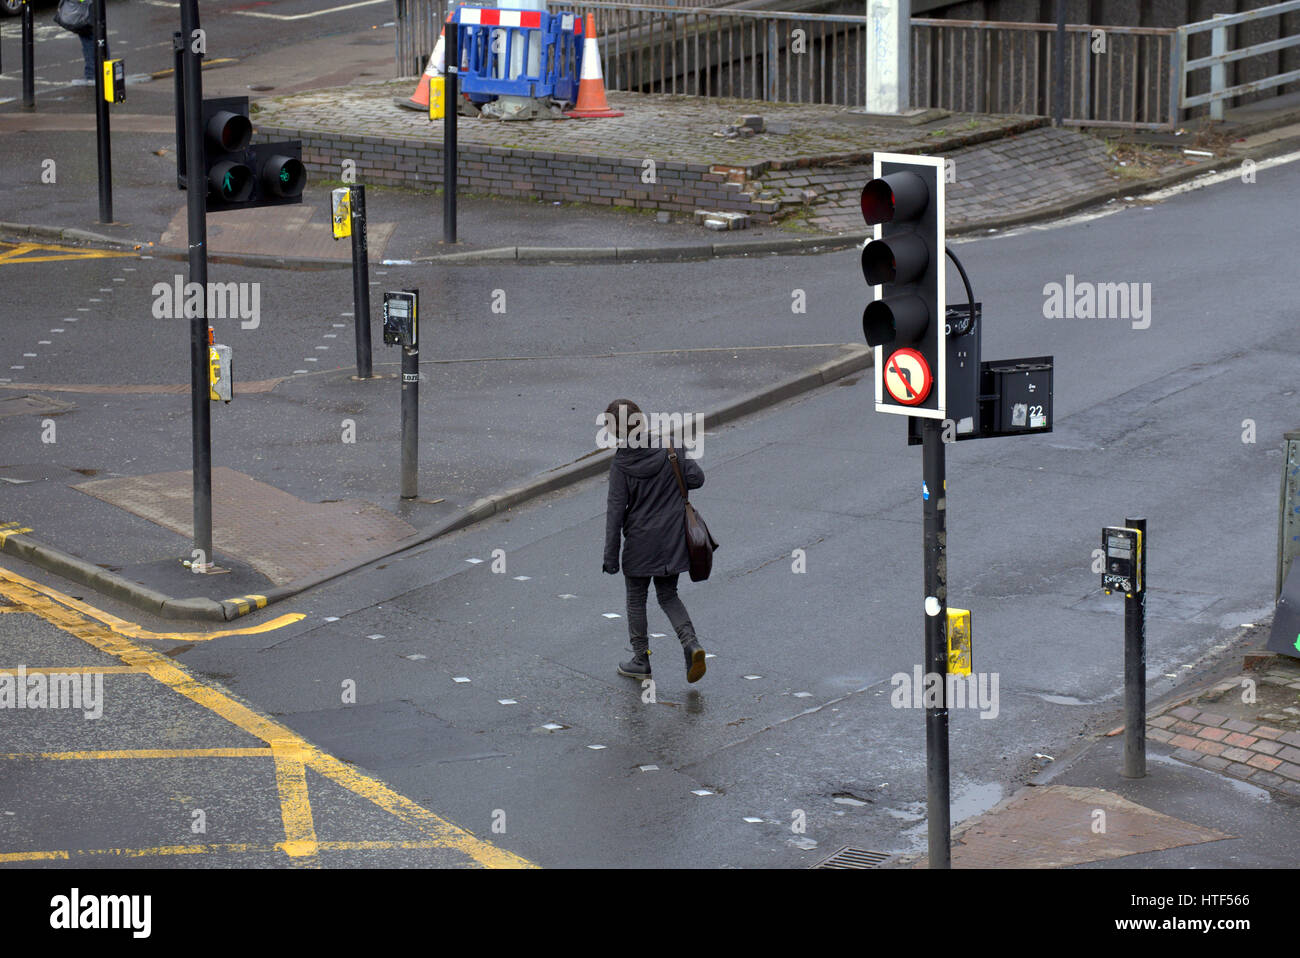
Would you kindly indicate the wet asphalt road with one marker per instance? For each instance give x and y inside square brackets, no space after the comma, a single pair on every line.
[1148,421]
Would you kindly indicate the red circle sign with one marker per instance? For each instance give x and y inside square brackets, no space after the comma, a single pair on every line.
[907,377]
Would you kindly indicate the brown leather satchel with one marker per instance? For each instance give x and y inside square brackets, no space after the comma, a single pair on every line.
[699,541]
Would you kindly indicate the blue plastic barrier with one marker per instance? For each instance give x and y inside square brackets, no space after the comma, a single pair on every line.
[492,38]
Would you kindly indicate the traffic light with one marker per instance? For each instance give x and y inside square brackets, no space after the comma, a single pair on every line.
[241,175]
[905,260]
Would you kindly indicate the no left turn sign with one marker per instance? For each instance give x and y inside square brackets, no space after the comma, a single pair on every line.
[907,377]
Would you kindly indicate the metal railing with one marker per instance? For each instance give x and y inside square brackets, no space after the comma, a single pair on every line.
[750,54]
[418,24]
[1128,77]
[1115,76]
[1220,56]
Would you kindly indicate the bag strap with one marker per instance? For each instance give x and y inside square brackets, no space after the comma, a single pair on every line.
[677,470]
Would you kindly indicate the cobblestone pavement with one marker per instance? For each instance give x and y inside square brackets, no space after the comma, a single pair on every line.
[810,177]
[1014,174]
[660,127]
[1247,727]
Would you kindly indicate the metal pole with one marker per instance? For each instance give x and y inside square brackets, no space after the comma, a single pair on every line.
[29,59]
[196,197]
[1135,668]
[449,117]
[361,282]
[1058,67]
[102,140]
[410,420]
[934,512]
[178,87]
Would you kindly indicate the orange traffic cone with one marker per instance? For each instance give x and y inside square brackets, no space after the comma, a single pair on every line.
[591,83]
[434,68]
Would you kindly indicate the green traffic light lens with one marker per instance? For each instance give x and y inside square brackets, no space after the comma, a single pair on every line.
[231,182]
[284,176]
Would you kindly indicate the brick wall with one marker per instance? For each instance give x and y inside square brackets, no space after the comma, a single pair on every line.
[529,174]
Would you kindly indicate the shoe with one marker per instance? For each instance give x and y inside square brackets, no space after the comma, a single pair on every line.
[637,667]
[695,666]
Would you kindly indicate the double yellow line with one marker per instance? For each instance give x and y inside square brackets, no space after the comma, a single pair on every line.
[292,754]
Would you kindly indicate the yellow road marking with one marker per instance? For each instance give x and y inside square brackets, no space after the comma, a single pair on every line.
[144,753]
[134,631]
[11,529]
[281,738]
[238,847]
[17,253]
[295,808]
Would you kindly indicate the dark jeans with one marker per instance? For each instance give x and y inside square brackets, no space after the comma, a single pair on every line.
[88,53]
[638,587]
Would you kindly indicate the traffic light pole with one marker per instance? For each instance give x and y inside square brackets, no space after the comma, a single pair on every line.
[197,227]
[29,59]
[360,281]
[450,114]
[1135,667]
[934,513]
[102,140]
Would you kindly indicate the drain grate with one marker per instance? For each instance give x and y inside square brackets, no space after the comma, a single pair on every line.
[849,857]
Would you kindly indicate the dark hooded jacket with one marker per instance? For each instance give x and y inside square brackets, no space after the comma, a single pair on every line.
[645,504]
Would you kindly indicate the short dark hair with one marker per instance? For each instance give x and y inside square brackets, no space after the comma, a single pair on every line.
[620,413]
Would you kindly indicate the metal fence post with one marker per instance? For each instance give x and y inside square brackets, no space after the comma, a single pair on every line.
[1219,71]
[1058,67]
[1177,79]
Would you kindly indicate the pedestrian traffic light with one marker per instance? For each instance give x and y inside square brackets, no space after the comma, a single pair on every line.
[904,260]
[241,175]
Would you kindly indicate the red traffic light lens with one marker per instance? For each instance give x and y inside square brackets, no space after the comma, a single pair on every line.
[877,202]
[898,196]
[229,131]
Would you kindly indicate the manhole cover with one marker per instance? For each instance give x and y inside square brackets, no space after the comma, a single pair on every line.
[849,857]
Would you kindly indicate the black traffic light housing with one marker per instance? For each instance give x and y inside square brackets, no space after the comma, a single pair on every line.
[905,323]
[239,174]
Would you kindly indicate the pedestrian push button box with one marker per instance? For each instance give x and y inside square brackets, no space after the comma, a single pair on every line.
[341,212]
[114,81]
[401,320]
[1122,549]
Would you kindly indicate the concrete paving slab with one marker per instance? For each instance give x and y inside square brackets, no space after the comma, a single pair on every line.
[279,534]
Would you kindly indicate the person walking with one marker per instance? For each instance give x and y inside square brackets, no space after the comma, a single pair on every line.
[78,16]
[646,509]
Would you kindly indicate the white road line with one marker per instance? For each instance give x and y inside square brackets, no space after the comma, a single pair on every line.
[304,16]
